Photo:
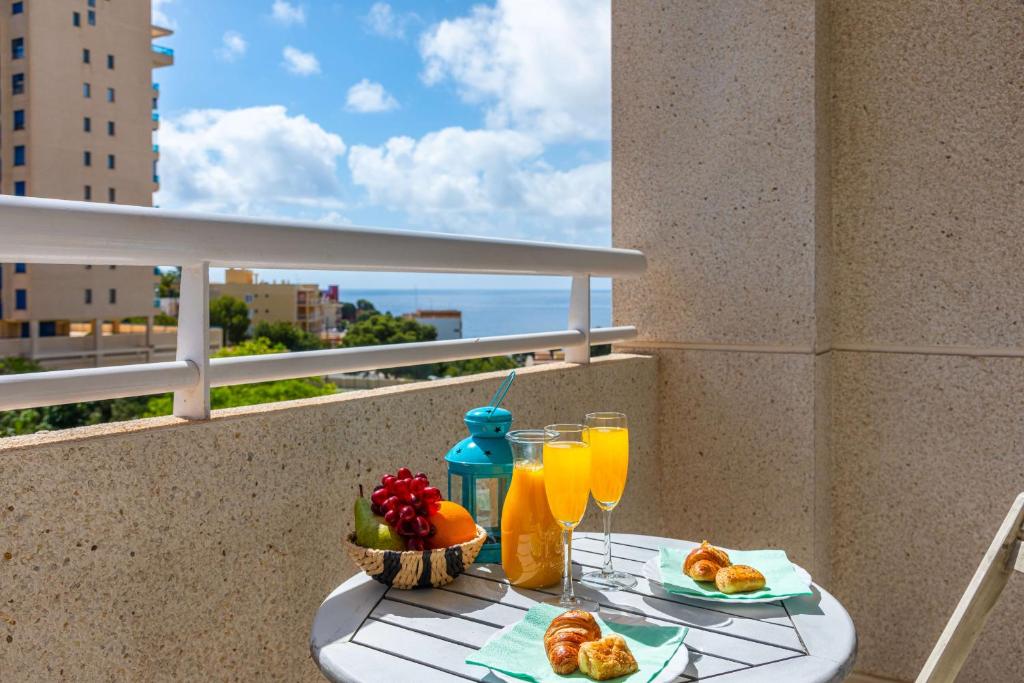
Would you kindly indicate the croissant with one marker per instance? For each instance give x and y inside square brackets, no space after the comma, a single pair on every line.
[566,633]
[739,578]
[704,561]
[607,658]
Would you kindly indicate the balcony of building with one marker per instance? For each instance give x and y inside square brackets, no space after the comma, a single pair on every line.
[817,338]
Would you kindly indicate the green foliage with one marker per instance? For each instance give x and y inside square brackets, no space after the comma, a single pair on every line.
[293,338]
[249,394]
[232,316]
[164,319]
[170,283]
[348,310]
[16,366]
[365,310]
[475,366]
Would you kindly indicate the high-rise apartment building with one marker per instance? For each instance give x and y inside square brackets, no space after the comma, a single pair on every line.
[77,121]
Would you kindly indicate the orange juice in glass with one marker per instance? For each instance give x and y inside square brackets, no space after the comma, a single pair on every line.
[609,462]
[567,485]
[531,551]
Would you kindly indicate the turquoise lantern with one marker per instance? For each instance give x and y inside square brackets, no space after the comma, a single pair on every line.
[480,471]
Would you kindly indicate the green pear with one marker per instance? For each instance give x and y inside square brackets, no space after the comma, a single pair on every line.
[372,532]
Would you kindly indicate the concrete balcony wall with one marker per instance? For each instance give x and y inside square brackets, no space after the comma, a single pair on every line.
[165,550]
[830,197]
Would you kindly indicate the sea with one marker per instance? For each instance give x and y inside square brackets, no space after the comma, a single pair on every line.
[491,312]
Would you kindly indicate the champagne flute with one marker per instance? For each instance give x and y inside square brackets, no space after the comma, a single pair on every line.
[567,486]
[609,447]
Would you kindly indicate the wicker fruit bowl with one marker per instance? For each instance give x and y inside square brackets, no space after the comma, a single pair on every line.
[413,568]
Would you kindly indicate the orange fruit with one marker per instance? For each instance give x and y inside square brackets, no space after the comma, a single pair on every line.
[454,525]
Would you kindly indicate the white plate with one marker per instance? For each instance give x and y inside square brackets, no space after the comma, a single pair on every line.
[652,571]
[674,668]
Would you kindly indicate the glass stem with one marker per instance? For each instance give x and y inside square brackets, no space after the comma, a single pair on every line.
[567,592]
[608,569]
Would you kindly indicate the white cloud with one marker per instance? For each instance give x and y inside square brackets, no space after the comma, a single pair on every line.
[537,65]
[383,21]
[300,63]
[232,47]
[287,13]
[160,17]
[367,96]
[258,160]
[487,182]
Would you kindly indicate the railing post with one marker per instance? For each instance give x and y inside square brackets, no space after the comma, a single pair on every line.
[579,319]
[194,340]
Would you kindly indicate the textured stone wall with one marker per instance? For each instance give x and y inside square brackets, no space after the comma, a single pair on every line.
[162,550]
[830,193]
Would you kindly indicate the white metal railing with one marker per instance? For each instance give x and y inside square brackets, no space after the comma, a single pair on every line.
[64,232]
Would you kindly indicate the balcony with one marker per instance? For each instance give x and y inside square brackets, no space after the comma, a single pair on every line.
[162,56]
[824,353]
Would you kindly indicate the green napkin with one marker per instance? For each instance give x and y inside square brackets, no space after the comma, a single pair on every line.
[781,579]
[519,651]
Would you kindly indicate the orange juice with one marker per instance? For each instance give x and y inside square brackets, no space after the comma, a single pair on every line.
[609,456]
[567,480]
[531,546]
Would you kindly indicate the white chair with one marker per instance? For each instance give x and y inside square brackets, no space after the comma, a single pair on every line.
[1004,557]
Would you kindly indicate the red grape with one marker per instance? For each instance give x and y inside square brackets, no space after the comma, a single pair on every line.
[433,530]
[390,503]
[414,544]
[391,517]
[414,500]
[404,473]
[387,480]
[422,526]
[406,512]
[431,494]
[401,489]
[420,475]
[378,487]
[375,509]
[406,528]
[379,496]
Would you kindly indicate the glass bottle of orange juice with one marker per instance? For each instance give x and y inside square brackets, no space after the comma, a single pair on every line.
[531,546]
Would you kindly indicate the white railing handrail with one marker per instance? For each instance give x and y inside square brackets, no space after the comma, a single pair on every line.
[57,231]
[64,232]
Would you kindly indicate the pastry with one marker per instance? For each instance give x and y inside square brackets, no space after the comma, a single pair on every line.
[566,633]
[607,658]
[739,578]
[704,561]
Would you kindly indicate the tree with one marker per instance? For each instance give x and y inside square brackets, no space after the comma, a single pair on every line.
[293,338]
[232,316]
[384,328]
[475,366]
[170,283]
[348,310]
[365,309]
[250,394]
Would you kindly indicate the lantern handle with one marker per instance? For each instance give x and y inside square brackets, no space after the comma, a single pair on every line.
[499,395]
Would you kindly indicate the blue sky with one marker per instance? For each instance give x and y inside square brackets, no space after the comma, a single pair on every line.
[474,118]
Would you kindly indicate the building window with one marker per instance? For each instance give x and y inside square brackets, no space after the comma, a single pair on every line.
[87,193]
[111,161]
[76,19]
[17,48]
[20,299]
[92,18]
[17,84]
[19,155]
[19,119]
[87,158]
[110,127]
[86,124]
[111,195]
[88,296]
[86,90]
[113,296]
[19,188]
[110,61]
[86,56]
[17,7]
[20,268]
[110,94]
[92,3]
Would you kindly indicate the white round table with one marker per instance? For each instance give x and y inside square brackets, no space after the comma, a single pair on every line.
[366,632]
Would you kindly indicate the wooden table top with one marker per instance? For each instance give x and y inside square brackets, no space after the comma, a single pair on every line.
[366,632]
